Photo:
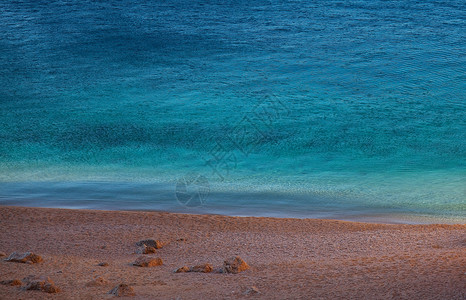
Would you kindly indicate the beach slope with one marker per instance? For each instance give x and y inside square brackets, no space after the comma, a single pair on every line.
[288,258]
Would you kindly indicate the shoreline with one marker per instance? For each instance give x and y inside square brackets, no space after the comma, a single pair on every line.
[393,218]
[162,197]
[289,258]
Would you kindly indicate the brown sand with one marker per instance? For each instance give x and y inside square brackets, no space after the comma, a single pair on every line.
[289,258]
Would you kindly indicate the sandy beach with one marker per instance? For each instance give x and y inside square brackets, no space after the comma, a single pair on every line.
[288,258]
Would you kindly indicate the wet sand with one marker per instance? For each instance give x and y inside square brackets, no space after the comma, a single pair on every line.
[289,258]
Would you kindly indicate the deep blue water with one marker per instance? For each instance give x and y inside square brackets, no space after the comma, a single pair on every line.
[286,108]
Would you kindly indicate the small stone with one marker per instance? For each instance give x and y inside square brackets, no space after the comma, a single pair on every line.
[147,261]
[252,291]
[2,254]
[183,269]
[146,250]
[122,290]
[13,282]
[41,284]
[98,281]
[103,264]
[204,268]
[150,243]
[235,265]
[27,257]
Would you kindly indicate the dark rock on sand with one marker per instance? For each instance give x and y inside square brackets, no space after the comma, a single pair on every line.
[13,282]
[146,250]
[28,257]
[150,243]
[235,265]
[252,291]
[103,264]
[147,261]
[98,281]
[41,284]
[122,290]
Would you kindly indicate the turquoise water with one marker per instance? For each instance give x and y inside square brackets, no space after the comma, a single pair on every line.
[335,109]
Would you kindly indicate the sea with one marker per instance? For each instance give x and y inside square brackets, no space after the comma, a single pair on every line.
[345,109]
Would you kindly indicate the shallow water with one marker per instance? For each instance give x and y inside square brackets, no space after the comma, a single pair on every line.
[285,108]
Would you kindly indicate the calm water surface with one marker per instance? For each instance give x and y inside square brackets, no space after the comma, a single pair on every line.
[333,109]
